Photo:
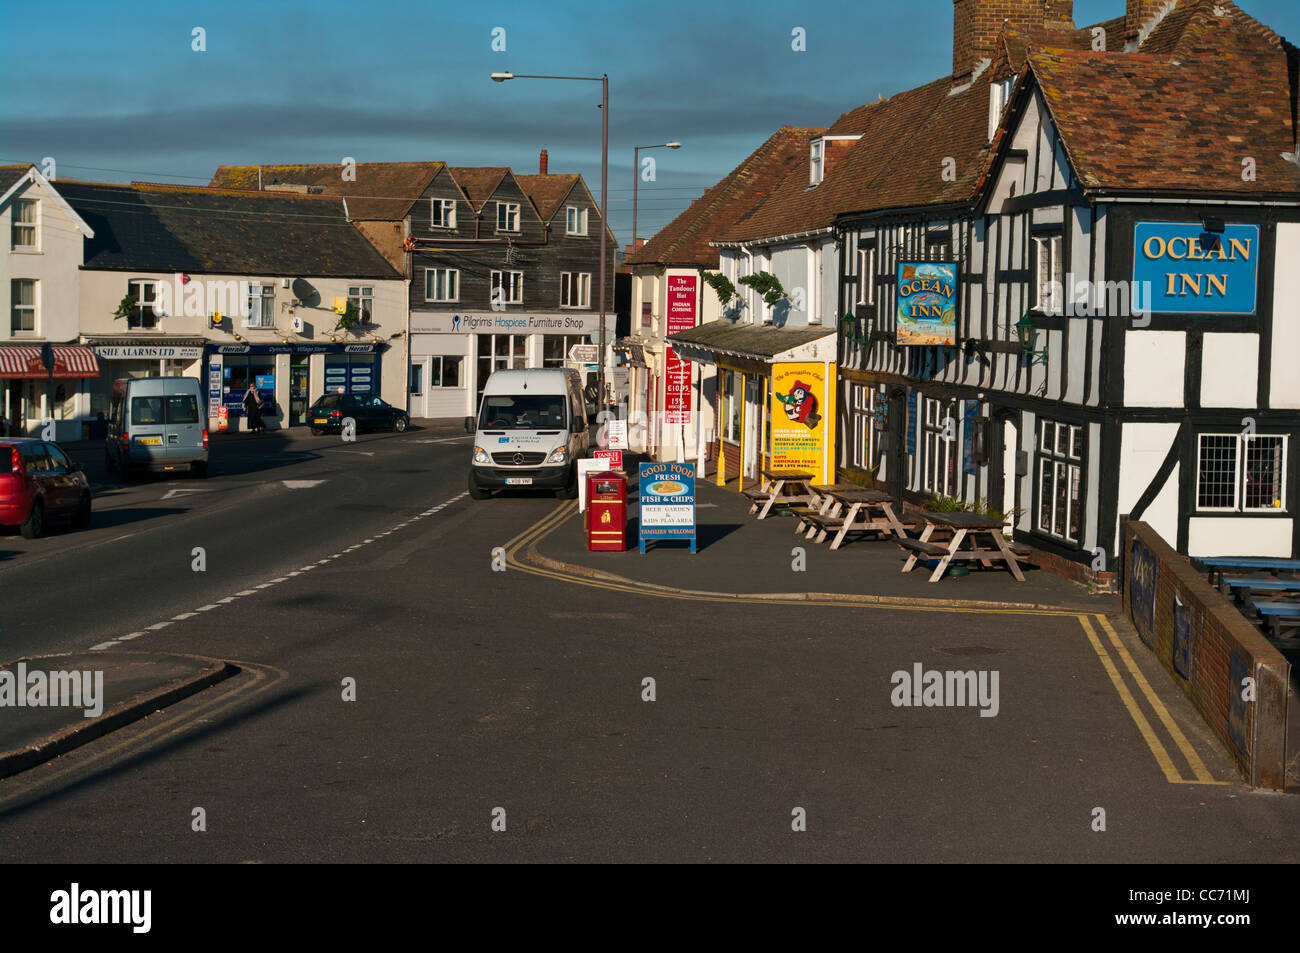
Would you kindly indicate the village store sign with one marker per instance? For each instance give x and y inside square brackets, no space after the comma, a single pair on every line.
[1183,277]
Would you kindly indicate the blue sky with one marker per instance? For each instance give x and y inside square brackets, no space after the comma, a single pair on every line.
[113,91]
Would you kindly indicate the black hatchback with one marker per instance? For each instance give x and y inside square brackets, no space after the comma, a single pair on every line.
[369,411]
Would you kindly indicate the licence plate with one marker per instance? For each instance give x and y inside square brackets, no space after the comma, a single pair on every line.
[519,481]
[150,441]
[320,420]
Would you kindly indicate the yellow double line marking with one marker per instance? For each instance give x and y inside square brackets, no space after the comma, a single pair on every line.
[1201,775]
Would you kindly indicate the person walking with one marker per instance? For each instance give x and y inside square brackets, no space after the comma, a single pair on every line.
[253,408]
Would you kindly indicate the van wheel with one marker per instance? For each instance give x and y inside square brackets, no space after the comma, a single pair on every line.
[570,491]
[316,431]
[82,518]
[35,523]
[199,468]
[476,492]
[110,463]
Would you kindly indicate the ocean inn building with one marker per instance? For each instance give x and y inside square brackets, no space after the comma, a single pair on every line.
[1125,304]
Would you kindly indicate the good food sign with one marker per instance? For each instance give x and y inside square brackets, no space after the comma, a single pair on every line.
[667,502]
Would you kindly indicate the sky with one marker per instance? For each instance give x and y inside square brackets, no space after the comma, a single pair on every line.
[116,91]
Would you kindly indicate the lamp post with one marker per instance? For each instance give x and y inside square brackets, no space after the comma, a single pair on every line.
[636,178]
[604,194]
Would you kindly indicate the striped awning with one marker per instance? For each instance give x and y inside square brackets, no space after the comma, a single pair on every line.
[19,361]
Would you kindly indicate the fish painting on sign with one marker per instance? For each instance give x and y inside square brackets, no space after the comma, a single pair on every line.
[927,304]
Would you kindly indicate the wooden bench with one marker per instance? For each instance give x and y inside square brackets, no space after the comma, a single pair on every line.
[928,549]
[822,525]
[1278,615]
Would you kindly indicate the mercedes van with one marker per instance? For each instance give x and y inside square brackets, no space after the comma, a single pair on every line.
[530,432]
[159,424]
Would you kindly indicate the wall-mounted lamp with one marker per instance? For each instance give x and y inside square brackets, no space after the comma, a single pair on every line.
[1212,237]
[1025,331]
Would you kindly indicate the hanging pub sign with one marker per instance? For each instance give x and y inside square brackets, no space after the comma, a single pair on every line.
[926,315]
[1174,271]
[667,502]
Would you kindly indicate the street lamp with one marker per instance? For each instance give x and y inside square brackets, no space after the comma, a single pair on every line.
[1025,332]
[604,192]
[636,179]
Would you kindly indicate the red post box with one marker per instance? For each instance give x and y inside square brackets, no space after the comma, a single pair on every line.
[607,512]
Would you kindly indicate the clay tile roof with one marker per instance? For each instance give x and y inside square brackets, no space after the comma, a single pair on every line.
[685,240]
[1214,27]
[478,184]
[1141,122]
[220,231]
[9,174]
[382,191]
[547,191]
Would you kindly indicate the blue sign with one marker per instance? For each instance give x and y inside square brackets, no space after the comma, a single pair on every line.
[265,381]
[926,314]
[1142,591]
[1173,272]
[1238,716]
[667,502]
[1182,638]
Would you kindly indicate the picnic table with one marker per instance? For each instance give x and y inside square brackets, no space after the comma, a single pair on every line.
[1216,564]
[774,492]
[967,530]
[820,503]
[867,511]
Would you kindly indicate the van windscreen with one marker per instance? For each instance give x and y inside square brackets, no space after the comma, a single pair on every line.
[523,412]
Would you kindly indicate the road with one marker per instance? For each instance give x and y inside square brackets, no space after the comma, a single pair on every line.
[479,690]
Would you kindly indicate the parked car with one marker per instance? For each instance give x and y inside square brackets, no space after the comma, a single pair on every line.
[369,411]
[157,423]
[38,483]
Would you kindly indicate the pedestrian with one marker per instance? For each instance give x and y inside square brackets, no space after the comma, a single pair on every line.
[253,408]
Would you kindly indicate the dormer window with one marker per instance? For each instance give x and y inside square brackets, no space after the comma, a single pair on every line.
[999,96]
[816,161]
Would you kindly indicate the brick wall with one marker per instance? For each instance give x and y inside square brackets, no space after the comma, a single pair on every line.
[977,23]
[1139,12]
[1209,646]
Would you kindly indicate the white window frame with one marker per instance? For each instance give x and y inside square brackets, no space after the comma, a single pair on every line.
[451,284]
[34,307]
[362,297]
[415,380]
[514,290]
[1047,258]
[1052,436]
[572,212]
[999,96]
[866,272]
[938,461]
[863,398]
[447,208]
[152,286]
[34,226]
[511,216]
[816,161]
[582,280]
[1241,450]
[263,315]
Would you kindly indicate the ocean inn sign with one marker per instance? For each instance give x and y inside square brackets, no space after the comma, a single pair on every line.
[927,304]
[1195,268]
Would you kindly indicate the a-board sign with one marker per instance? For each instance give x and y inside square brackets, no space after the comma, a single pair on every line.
[667,502]
[613,457]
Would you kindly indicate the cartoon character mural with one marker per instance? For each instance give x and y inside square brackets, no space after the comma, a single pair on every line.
[801,405]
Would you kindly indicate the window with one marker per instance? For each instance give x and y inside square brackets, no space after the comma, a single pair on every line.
[1241,472]
[416,385]
[24,224]
[22,305]
[1048,274]
[866,276]
[507,216]
[816,153]
[509,285]
[575,289]
[362,297]
[443,213]
[146,294]
[863,400]
[999,93]
[942,448]
[730,407]
[444,370]
[575,220]
[261,306]
[441,284]
[1060,470]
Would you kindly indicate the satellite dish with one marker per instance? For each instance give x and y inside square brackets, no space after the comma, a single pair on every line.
[304,292]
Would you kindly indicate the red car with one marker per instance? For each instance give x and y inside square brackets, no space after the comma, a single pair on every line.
[38,482]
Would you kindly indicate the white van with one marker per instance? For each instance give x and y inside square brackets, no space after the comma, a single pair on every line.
[530,431]
[157,423]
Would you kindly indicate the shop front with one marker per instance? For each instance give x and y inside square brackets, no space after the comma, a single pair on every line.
[33,392]
[453,354]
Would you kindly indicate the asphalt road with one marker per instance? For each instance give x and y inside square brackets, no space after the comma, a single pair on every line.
[479,690]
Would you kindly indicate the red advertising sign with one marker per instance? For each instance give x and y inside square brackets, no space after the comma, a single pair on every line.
[612,457]
[681,315]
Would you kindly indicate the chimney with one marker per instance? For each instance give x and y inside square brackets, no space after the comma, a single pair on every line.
[541,164]
[1138,14]
[977,23]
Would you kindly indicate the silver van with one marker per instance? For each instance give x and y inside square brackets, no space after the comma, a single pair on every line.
[157,424]
[530,432]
